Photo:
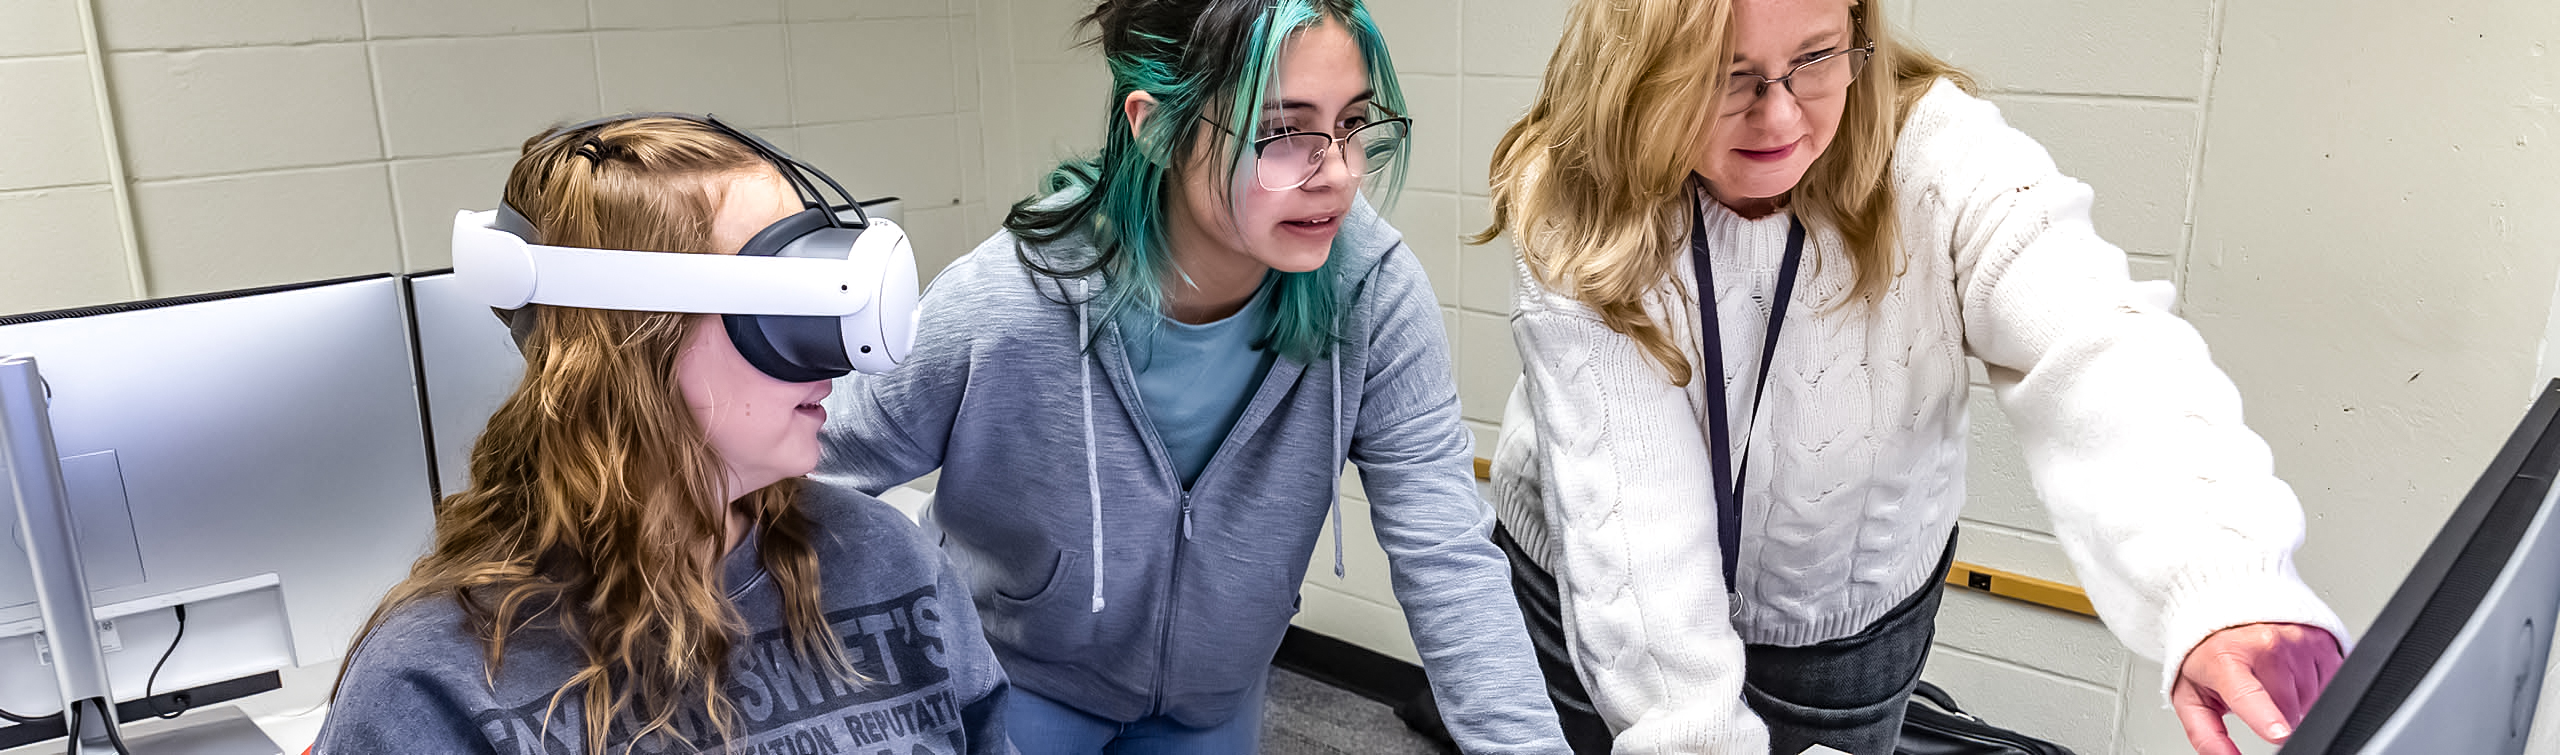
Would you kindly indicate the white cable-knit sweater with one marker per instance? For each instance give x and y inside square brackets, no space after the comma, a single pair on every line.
[2167,505]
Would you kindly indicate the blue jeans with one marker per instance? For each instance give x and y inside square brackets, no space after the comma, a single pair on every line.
[1041,726]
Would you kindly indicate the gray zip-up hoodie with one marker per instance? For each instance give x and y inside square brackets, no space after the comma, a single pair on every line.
[1048,459]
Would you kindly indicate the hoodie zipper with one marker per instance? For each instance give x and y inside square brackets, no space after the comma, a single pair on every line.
[1173,586]
[1124,382]
[1127,381]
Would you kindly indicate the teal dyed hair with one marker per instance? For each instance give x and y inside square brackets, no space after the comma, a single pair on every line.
[1199,59]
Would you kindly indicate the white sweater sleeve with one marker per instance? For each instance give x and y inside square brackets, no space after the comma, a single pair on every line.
[1622,470]
[2167,505]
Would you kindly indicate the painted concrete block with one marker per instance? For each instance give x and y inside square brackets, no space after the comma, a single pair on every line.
[63,250]
[1485,271]
[217,234]
[65,145]
[1511,37]
[2138,155]
[1429,220]
[1432,101]
[973,159]
[939,235]
[899,8]
[2149,48]
[2149,268]
[868,70]
[798,11]
[1046,32]
[430,191]
[2030,635]
[2032,554]
[39,27]
[1492,365]
[678,14]
[917,159]
[167,24]
[1359,621]
[1364,563]
[393,19]
[1421,34]
[225,111]
[459,96]
[1060,110]
[2075,714]
[740,73]
[966,84]
[1490,105]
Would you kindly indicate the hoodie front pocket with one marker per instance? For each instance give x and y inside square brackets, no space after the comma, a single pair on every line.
[1058,570]
[1051,623]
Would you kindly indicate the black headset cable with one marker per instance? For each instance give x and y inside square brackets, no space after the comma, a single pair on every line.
[154,681]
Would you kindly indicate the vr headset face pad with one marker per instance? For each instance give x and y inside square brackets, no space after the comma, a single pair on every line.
[803,349]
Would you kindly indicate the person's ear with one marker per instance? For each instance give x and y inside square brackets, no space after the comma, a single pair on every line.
[1136,107]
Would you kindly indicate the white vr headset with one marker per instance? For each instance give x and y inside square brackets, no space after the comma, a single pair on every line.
[814,296]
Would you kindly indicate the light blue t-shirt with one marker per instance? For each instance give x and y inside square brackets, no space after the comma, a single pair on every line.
[1196,379]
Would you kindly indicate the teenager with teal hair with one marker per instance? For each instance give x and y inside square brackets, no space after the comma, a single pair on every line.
[1142,393]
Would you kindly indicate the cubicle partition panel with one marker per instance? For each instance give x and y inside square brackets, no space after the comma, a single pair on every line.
[247,468]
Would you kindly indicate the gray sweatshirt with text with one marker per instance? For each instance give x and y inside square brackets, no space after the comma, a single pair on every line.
[417,684]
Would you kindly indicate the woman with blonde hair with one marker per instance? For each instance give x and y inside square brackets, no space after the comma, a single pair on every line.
[638,562]
[1758,240]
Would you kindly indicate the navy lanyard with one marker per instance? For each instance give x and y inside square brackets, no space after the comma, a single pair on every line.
[1728,475]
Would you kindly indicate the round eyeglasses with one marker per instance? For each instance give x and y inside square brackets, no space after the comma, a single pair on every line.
[1812,80]
[1288,161]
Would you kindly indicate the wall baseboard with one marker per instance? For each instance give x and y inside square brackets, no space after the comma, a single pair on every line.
[1362,671]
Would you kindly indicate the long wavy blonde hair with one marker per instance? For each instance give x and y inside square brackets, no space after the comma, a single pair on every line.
[593,510]
[1591,183]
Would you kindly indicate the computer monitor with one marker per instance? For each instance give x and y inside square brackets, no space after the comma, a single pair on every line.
[257,457]
[2455,662]
[469,366]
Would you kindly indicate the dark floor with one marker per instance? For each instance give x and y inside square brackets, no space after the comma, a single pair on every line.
[1302,716]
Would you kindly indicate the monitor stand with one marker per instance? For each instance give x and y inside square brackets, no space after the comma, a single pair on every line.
[211,731]
[221,731]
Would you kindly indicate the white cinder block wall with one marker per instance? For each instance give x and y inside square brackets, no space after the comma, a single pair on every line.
[2355,202]
[271,141]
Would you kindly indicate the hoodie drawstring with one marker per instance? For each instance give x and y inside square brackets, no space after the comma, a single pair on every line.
[1092,469]
[1336,363]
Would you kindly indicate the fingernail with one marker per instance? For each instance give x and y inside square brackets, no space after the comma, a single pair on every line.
[2281,731]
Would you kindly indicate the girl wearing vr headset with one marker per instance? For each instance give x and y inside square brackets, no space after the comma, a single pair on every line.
[639,560]
[1142,393]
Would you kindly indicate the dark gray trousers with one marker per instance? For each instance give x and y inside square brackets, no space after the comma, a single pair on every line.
[1847,693]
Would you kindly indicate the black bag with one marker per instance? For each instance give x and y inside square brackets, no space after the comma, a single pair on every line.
[1933,725]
